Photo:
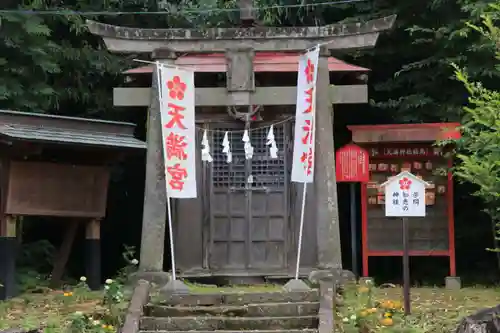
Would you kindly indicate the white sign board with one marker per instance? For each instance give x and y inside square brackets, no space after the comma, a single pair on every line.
[176,90]
[405,196]
[303,145]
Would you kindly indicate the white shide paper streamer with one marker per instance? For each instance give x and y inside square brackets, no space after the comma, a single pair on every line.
[226,149]
[205,150]
[273,149]
[248,145]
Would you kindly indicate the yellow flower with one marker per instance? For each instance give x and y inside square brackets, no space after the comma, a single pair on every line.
[67,294]
[387,305]
[104,326]
[372,310]
[387,315]
[110,327]
[363,289]
[387,321]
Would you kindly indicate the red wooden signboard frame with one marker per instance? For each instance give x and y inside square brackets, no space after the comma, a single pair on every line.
[427,134]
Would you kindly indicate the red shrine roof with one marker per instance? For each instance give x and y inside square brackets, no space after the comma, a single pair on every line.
[263,62]
[405,132]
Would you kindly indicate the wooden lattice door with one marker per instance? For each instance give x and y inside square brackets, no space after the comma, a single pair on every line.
[249,205]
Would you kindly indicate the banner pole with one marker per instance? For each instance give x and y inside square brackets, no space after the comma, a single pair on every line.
[171,236]
[169,205]
[406,266]
[304,137]
[301,229]
[173,286]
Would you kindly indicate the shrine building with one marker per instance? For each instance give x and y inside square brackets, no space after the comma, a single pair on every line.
[244,221]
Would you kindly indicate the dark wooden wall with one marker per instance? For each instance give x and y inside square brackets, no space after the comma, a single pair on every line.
[50,189]
[427,234]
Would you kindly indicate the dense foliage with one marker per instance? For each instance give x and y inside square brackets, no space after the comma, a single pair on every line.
[49,63]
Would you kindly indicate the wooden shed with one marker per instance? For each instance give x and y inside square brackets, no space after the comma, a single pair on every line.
[57,166]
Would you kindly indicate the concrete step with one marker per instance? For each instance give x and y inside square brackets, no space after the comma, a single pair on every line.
[238,331]
[241,298]
[213,323]
[250,310]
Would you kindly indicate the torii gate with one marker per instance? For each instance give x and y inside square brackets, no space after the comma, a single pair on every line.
[240,45]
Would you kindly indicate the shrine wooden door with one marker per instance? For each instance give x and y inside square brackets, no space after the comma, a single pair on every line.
[249,202]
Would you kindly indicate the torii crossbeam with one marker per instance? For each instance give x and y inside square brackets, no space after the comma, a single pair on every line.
[336,37]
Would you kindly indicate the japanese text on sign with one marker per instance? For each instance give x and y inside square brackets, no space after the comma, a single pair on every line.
[404,152]
[404,196]
[178,131]
[352,164]
[303,148]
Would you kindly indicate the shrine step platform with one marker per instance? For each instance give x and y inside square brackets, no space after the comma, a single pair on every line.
[207,323]
[250,310]
[241,298]
[266,312]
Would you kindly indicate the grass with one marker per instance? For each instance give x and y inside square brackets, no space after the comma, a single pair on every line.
[434,310]
[439,299]
[50,309]
[439,310]
[204,288]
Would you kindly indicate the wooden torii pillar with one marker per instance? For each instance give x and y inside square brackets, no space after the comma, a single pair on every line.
[239,45]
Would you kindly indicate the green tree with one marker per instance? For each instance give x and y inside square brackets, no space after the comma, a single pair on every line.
[411,78]
[479,157]
[49,63]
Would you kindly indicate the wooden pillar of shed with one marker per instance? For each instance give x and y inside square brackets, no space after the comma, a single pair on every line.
[8,254]
[93,253]
[325,185]
[155,198]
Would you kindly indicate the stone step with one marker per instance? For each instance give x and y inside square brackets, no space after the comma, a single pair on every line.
[308,330]
[213,323]
[241,298]
[250,310]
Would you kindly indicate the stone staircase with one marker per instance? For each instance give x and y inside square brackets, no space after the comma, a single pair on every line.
[266,312]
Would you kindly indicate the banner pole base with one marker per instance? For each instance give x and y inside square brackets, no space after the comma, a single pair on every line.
[174,287]
[296,285]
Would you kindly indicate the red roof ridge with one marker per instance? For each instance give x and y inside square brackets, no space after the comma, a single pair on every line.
[263,62]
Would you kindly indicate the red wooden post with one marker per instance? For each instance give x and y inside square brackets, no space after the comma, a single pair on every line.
[451,221]
[364,227]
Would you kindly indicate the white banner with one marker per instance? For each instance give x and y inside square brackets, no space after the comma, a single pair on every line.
[303,147]
[178,131]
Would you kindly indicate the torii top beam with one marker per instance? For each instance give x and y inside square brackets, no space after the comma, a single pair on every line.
[338,36]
